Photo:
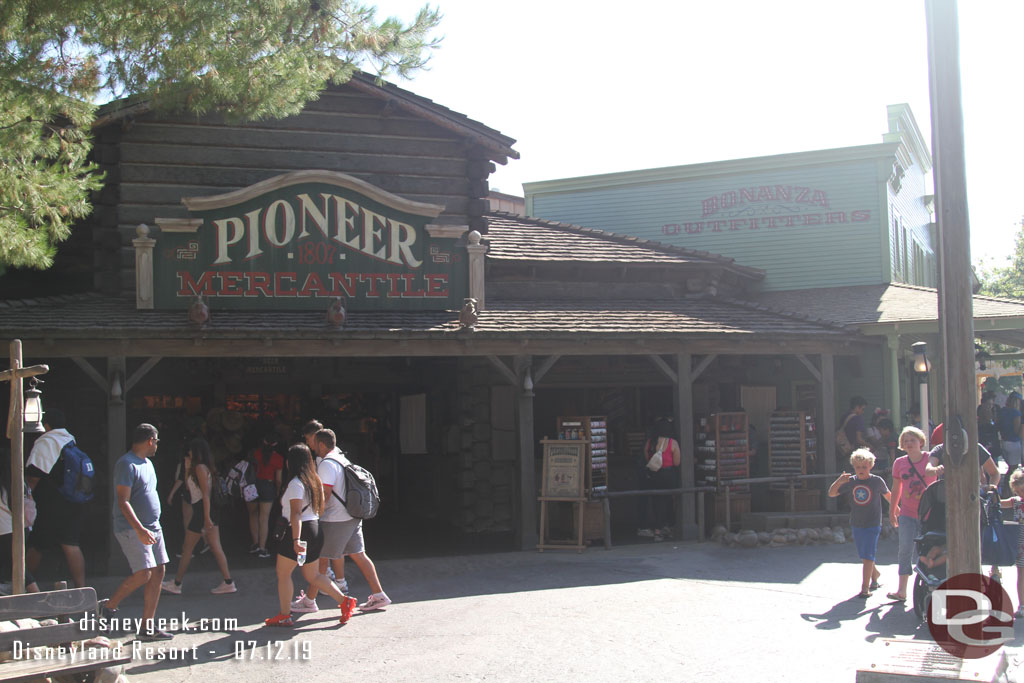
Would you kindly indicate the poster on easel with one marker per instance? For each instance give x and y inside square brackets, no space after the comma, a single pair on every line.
[563,481]
[563,469]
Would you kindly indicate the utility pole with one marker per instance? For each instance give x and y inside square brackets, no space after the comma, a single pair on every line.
[956,315]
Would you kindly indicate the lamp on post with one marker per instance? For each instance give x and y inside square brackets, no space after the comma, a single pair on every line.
[32,413]
[17,425]
[921,369]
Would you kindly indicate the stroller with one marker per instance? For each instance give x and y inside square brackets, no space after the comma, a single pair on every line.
[998,542]
[929,574]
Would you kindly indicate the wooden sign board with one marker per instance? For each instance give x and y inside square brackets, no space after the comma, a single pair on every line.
[563,472]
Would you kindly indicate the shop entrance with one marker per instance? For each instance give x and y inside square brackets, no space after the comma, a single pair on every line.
[392,416]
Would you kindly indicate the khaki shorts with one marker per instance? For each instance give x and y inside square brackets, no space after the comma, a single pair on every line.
[342,538]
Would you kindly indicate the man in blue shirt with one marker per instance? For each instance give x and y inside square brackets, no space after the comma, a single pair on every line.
[137,529]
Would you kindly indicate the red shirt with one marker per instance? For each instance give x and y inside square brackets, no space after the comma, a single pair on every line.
[273,464]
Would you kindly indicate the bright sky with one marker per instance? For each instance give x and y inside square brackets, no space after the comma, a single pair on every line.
[593,87]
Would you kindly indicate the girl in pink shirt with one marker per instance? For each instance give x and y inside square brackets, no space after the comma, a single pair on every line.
[909,480]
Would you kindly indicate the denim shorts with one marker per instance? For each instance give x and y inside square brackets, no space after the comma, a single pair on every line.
[866,540]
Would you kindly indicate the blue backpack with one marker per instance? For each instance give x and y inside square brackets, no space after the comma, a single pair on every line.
[79,475]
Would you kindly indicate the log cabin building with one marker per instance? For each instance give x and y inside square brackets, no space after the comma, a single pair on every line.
[343,264]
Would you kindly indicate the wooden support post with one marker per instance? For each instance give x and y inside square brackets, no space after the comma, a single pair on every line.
[117,437]
[700,515]
[684,418]
[828,420]
[527,477]
[606,508]
[728,509]
[955,303]
[893,363]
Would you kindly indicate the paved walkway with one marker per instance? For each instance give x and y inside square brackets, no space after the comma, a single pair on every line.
[645,612]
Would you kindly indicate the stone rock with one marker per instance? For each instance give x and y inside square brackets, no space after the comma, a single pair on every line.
[839,537]
[779,539]
[729,539]
[802,537]
[718,532]
[747,539]
[764,538]
[813,536]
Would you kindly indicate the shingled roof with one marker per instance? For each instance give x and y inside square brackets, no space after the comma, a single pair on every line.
[92,315]
[518,238]
[882,303]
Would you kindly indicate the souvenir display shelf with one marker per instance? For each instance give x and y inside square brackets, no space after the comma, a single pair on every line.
[722,450]
[792,443]
[722,453]
[594,429]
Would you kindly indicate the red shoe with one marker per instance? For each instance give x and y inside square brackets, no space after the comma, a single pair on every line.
[280,620]
[346,607]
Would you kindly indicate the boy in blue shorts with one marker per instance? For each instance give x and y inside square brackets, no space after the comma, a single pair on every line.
[866,492]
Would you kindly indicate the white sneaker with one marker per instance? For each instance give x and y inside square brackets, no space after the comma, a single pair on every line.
[342,586]
[375,601]
[171,587]
[224,587]
[304,604]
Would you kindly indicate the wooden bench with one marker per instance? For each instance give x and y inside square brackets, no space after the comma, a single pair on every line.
[67,606]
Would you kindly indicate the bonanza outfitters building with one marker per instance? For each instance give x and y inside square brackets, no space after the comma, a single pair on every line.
[235,278]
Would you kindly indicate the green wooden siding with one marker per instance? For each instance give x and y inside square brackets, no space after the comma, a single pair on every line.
[833,248]
[913,258]
[863,376]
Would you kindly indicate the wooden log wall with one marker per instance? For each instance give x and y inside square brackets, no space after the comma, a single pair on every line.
[152,162]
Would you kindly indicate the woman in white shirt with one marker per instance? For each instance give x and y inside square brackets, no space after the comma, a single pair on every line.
[301,504]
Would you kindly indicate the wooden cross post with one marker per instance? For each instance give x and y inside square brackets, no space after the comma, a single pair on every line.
[15,426]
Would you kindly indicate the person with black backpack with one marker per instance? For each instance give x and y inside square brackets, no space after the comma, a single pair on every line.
[342,523]
[61,477]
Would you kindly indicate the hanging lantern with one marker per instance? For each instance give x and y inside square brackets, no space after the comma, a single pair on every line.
[32,414]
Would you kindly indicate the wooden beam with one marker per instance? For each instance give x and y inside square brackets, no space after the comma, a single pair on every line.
[828,413]
[956,316]
[93,374]
[22,373]
[140,373]
[660,363]
[527,531]
[810,367]
[893,378]
[684,418]
[702,366]
[478,345]
[539,373]
[505,371]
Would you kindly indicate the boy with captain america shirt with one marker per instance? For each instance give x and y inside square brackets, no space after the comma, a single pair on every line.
[866,492]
